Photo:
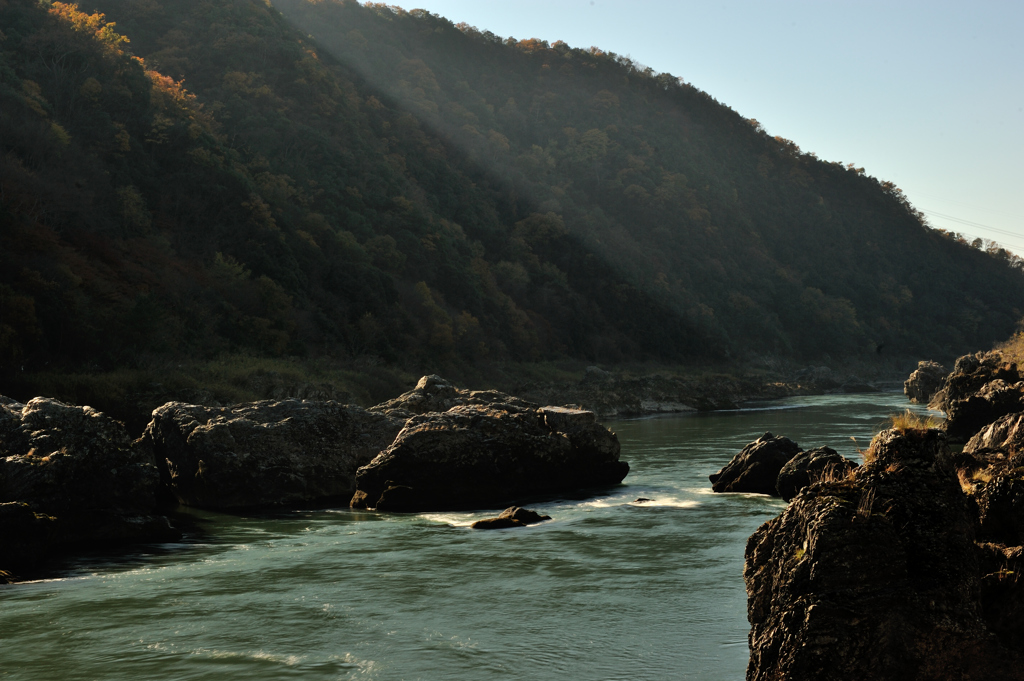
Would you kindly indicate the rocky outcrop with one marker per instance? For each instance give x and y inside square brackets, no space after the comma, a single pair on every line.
[1006,433]
[993,480]
[924,382]
[1002,592]
[756,468]
[823,463]
[267,453]
[966,416]
[879,576]
[970,373]
[70,476]
[480,455]
[980,389]
[513,516]
[435,394]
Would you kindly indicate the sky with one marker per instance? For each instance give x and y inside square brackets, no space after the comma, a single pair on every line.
[928,95]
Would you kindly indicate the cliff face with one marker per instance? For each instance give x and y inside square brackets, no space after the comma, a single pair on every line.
[879,575]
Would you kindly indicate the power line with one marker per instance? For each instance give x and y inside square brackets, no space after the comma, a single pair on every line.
[972,206]
[1002,242]
[969,223]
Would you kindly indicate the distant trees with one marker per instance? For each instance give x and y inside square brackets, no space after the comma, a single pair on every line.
[427,193]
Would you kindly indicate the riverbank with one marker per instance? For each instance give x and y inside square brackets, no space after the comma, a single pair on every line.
[130,395]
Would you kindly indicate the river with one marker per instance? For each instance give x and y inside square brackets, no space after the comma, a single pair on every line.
[608,589]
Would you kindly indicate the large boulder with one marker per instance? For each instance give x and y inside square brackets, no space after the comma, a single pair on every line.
[70,476]
[479,456]
[67,458]
[756,468]
[435,394]
[981,388]
[924,382]
[877,576]
[1005,433]
[970,414]
[993,479]
[970,373]
[267,453]
[823,463]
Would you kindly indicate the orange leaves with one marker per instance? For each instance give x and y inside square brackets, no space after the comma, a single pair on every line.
[90,24]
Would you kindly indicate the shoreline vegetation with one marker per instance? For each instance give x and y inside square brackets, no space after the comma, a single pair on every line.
[192,180]
[611,391]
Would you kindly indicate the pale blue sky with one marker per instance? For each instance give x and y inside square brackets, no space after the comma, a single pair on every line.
[929,95]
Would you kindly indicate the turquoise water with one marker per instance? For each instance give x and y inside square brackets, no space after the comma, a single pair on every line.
[608,589]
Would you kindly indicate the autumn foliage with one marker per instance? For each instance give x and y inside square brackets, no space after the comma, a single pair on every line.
[405,189]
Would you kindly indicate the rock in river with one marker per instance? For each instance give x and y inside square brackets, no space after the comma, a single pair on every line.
[924,382]
[266,453]
[879,576]
[477,455]
[823,463]
[756,468]
[435,394]
[70,476]
[512,516]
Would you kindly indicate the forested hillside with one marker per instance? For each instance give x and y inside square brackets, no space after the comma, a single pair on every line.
[180,178]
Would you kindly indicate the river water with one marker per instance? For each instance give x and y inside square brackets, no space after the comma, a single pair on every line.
[608,589]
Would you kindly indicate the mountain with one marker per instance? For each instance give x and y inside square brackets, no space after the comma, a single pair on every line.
[183,179]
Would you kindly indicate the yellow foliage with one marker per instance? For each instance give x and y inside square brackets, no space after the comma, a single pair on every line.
[92,24]
[1013,349]
[908,420]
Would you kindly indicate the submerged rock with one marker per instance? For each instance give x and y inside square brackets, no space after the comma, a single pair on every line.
[877,576]
[513,516]
[756,468]
[476,455]
[924,382]
[814,465]
[69,476]
[266,453]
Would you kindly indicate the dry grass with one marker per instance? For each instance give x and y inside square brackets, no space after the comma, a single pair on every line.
[831,473]
[1013,349]
[910,421]
[867,503]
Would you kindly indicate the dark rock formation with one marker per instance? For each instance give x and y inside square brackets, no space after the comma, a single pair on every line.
[266,453]
[477,455]
[1005,433]
[1002,592]
[993,480]
[878,576]
[69,476]
[512,516]
[823,463]
[26,537]
[924,382]
[965,417]
[756,468]
[435,394]
[979,390]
